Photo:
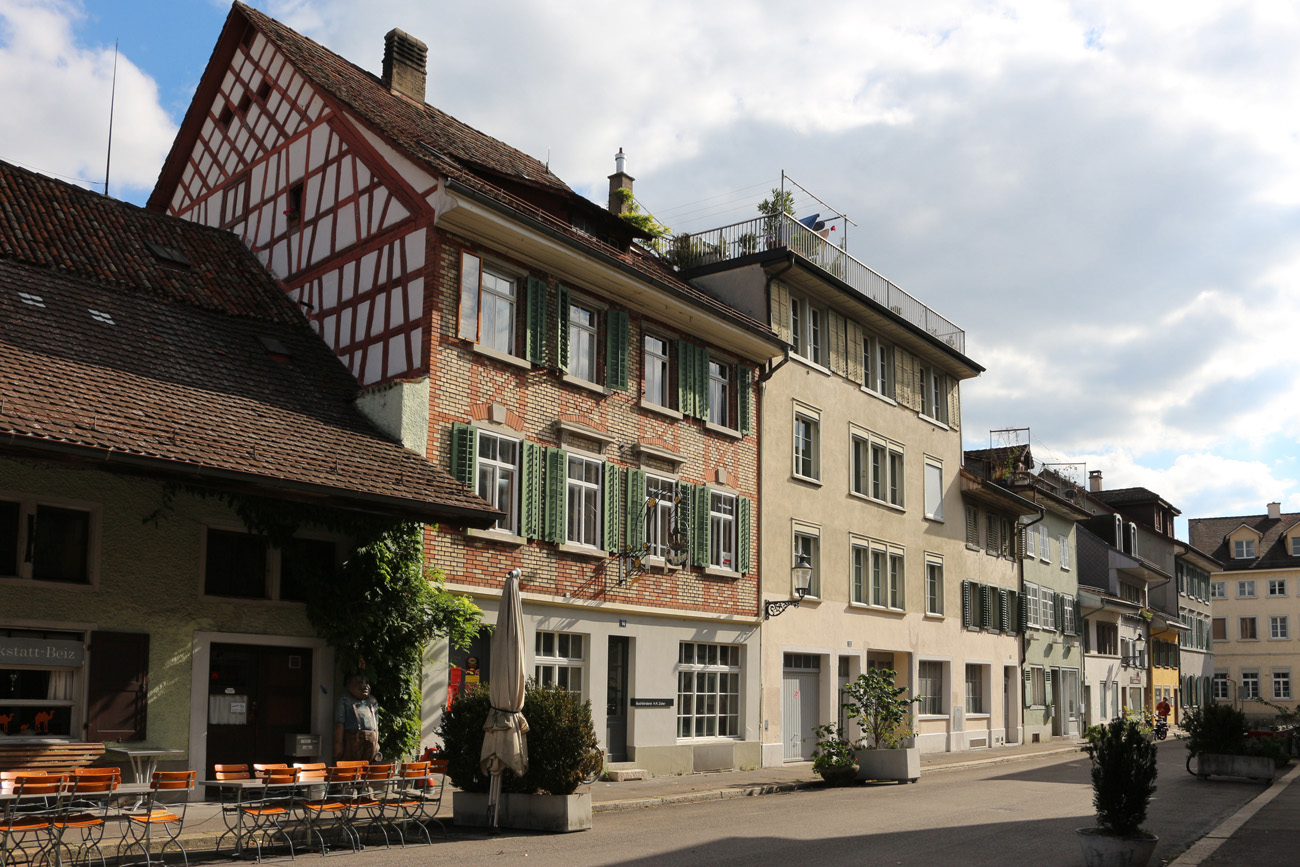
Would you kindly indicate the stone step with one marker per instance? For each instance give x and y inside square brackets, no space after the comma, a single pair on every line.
[616,774]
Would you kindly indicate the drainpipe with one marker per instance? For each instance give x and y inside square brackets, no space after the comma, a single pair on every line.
[1024,641]
[770,369]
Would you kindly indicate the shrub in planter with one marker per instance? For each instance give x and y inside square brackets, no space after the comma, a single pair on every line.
[562,745]
[1215,728]
[880,709]
[1123,777]
[833,758]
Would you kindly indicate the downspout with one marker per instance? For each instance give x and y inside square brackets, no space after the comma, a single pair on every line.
[1024,640]
[768,370]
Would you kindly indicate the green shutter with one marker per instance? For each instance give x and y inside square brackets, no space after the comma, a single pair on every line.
[1028,699]
[685,393]
[742,535]
[986,608]
[1047,688]
[531,509]
[702,382]
[1022,613]
[636,509]
[613,507]
[965,604]
[699,525]
[745,399]
[616,349]
[464,453]
[1078,617]
[536,334]
[686,519]
[556,482]
[1004,610]
[1059,605]
[562,328]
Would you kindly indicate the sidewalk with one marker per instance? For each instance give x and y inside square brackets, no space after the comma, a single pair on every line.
[1264,832]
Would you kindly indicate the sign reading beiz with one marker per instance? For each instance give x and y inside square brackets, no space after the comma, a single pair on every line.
[41,651]
[650,702]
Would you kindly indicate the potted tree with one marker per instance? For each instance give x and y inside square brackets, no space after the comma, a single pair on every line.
[885,717]
[833,758]
[562,753]
[1216,740]
[1123,781]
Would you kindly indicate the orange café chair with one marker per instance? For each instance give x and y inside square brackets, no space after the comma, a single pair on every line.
[26,819]
[159,820]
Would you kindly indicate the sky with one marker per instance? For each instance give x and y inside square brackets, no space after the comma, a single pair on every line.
[1104,195]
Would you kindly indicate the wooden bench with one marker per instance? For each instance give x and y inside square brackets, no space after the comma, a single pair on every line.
[56,757]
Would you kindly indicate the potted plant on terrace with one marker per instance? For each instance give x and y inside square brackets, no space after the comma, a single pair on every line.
[833,758]
[1123,781]
[1217,744]
[885,717]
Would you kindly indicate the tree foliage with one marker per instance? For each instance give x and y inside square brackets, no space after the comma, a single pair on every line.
[1123,777]
[633,214]
[880,709]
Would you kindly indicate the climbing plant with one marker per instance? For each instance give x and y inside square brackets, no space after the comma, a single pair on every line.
[632,213]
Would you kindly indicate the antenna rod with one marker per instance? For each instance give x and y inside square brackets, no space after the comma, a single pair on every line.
[112,100]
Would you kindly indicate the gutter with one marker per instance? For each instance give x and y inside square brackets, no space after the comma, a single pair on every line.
[770,369]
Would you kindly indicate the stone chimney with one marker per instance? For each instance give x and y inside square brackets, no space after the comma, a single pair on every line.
[404,64]
[1094,481]
[1275,510]
[620,180]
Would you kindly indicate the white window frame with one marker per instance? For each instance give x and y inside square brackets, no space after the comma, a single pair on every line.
[662,365]
[1065,553]
[933,488]
[1031,542]
[1295,546]
[934,395]
[722,530]
[1044,544]
[876,467]
[658,518]
[1276,586]
[1218,590]
[975,689]
[720,393]
[1047,608]
[1281,678]
[1246,589]
[934,588]
[708,691]
[584,334]
[1249,687]
[1221,687]
[1032,619]
[498,296]
[807,330]
[878,366]
[896,599]
[1279,627]
[807,540]
[926,671]
[490,471]
[583,490]
[1243,549]
[562,666]
[807,444]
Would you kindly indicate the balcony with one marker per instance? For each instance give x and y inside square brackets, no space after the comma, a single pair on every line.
[712,246]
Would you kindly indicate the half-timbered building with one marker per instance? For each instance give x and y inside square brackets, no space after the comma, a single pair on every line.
[512,331]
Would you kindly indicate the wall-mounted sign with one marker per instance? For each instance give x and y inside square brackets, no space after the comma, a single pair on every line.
[42,651]
[1135,679]
[651,702]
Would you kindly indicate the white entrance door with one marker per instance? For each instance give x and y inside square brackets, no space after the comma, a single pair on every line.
[799,702]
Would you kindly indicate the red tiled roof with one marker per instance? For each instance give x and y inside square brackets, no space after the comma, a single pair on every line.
[101,370]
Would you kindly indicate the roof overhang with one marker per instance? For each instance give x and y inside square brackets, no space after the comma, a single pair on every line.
[996,496]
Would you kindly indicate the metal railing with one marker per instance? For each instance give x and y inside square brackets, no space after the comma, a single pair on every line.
[689,251]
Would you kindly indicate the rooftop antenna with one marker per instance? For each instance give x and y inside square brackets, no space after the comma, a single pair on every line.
[112,100]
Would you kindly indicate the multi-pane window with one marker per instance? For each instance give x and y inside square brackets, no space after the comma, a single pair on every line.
[879,578]
[1246,629]
[1220,688]
[708,690]
[44,542]
[929,687]
[1245,589]
[1279,627]
[498,477]
[934,394]
[559,659]
[1108,639]
[878,365]
[806,330]
[873,582]
[1044,544]
[933,586]
[720,394]
[1249,684]
[1282,683]
[497,317]
[583,497]
[1047,608]
[1243,549]
[877,470]
[806,461]
[934,489]
[658,372]
[1031,606]
[1277,587]
[1295,546]
[975,689]
[808,545]
[1219,590]
[1065,552]
[896,580]
[1038,686]
[722,530]
[1070,626]
[582,342]
[658,518]
[244,566]
[1031,543]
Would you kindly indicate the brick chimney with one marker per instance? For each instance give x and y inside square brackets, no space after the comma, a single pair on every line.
[620,180]
[404,64]
[1094,481]
[1275,510]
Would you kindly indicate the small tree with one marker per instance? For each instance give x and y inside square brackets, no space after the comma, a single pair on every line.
[1215,728]
[880,709]
[1123,777]
[781,202]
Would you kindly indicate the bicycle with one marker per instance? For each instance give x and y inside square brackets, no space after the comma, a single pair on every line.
[599,767]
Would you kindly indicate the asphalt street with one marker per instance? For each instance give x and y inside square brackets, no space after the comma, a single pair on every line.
[1006,814]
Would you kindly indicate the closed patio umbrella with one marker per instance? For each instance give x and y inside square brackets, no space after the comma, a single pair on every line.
[505,741]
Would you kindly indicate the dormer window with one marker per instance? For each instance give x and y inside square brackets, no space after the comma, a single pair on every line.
[1243,549]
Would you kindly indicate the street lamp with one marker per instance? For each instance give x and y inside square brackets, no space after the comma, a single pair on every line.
[801,573]
[1138,644]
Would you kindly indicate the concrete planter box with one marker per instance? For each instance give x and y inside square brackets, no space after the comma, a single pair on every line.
[1253,767]
[560,813]
[903,765]
[1107,850]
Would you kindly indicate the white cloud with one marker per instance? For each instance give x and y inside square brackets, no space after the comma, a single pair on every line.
[56,118]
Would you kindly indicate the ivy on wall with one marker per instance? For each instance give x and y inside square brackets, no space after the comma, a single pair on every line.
[378,610]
